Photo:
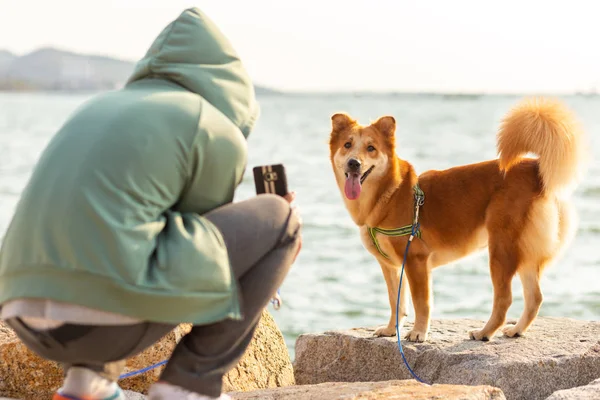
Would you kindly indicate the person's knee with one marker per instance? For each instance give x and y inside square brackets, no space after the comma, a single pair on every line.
[283,216]
[274,201]
[277,207]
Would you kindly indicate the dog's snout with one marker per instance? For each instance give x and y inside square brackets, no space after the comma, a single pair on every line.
[353,164]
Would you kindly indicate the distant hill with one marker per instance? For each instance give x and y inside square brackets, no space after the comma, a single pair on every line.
[6,58]
[55,69]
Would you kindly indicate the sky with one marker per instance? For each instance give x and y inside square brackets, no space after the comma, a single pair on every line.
[509,46]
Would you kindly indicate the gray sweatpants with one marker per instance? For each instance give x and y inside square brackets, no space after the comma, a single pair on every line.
[262,237]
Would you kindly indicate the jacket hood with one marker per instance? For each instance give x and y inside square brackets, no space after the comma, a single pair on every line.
[192,52]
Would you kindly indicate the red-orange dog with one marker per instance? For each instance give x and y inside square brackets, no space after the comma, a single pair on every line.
[517,207]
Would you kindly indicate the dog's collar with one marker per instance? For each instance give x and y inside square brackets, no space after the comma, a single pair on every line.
[412,230]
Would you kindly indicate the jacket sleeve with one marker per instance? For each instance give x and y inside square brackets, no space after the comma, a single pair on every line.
[215,163]
[193,253]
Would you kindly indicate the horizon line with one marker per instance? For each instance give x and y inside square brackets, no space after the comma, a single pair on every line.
[592,91]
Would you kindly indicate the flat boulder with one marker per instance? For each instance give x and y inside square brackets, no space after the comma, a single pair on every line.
[587,392]
[396,390]
[393,390]
[129,395]
[556,354]
[265,364]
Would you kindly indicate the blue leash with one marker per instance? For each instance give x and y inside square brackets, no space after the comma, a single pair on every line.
[276,300]
[141,371]
[415,228]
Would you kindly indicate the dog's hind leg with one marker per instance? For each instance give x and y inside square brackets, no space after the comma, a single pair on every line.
[503,266]
[547,230]
[530,278]
[391,274]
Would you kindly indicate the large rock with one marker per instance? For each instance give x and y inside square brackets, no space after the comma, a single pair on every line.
[587,392]
[129,395]
[397,390]
[557,353]
[266,364]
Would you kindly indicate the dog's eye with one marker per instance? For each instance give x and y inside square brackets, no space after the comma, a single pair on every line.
[370,149]
[348,145]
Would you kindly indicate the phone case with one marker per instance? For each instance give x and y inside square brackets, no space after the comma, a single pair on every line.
[270,179]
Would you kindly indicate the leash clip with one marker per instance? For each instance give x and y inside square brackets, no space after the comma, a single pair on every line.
[419,199]
[276,301]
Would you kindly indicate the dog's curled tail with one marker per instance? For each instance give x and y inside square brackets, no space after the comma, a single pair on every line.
[548,129]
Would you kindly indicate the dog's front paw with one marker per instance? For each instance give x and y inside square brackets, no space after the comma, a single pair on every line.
[385,331]
[512,332]
[416,335]
[479,335]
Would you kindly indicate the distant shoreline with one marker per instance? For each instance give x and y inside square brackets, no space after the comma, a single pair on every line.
[53,70]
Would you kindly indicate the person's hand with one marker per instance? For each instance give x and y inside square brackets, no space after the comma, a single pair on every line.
[290,197]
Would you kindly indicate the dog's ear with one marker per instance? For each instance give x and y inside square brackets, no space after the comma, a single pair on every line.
[341,121]
[386,125]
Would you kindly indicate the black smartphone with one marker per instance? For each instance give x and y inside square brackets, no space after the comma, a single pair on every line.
[270,179]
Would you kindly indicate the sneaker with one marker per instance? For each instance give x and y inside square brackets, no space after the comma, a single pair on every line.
[118,395]
[85,384]
[166,391]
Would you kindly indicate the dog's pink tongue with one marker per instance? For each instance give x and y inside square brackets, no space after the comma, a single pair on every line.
[352,188]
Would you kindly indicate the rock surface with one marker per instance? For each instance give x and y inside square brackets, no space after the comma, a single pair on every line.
[587,392]
[129,395]
[557,353]
[266,364]
[393,390]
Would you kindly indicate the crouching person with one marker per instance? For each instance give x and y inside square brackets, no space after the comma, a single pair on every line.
[127,226]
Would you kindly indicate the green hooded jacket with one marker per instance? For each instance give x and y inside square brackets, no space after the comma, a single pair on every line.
[111,218]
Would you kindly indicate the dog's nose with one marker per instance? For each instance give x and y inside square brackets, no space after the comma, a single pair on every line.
[353,164]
